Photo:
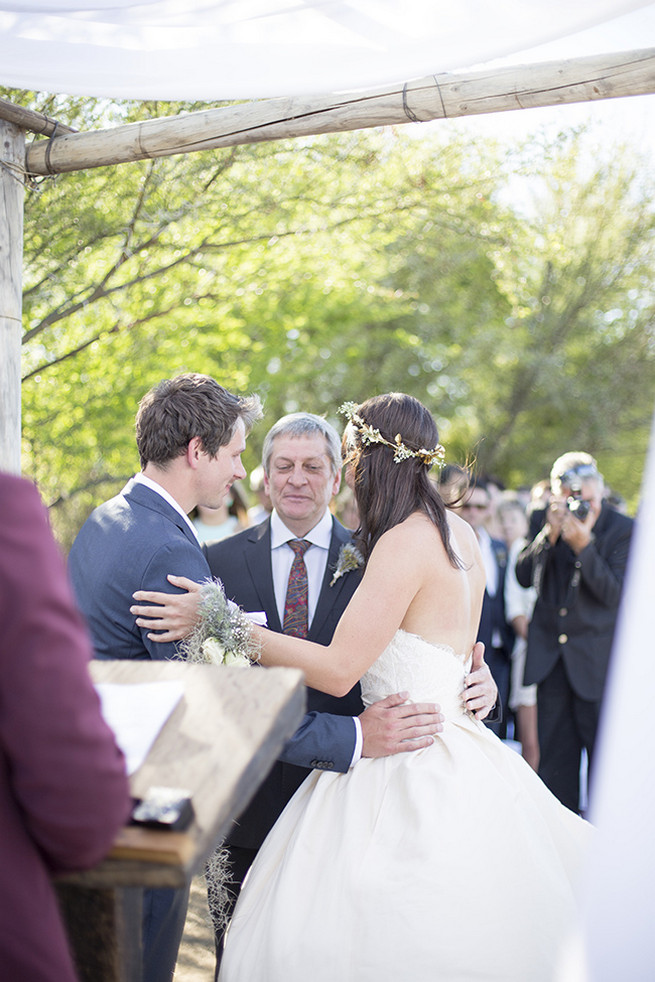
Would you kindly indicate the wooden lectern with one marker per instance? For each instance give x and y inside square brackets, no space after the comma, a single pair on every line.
[219,743]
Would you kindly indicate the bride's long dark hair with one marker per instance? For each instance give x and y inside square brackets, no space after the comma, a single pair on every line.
[388,492]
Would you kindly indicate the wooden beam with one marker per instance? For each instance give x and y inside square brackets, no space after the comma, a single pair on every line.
[435,97]
[29,119]
[12,156]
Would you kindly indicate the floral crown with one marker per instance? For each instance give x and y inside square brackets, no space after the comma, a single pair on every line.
[400,452]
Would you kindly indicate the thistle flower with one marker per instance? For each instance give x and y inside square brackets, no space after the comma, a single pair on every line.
[223,635]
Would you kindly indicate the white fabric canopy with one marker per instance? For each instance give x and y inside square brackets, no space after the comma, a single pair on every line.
[242,49]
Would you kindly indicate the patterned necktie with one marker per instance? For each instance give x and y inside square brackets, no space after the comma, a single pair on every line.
[295,605]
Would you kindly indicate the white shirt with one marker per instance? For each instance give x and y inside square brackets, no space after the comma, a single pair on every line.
[316,559]
[141,478]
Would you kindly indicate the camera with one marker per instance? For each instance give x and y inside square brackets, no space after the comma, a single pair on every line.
[578,506]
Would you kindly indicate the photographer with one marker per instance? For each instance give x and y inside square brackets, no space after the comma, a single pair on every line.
[576,564]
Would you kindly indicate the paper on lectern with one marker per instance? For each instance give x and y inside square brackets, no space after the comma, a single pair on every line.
[137,713]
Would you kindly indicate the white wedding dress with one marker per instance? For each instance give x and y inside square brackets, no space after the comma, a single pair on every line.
[450,863]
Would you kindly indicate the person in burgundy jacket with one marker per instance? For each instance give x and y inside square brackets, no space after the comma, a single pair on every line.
[63,789]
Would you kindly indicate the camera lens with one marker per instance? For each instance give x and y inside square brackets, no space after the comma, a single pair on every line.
[578,507]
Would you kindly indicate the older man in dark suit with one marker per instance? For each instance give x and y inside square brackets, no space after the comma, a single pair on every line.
[577,564]
[190,434]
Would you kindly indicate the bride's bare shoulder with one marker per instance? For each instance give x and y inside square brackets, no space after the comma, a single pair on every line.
[416,535]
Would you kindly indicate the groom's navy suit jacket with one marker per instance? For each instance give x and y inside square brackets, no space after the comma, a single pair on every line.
[327,736]
[130,543]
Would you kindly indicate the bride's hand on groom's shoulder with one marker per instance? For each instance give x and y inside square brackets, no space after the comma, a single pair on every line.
[393,726]
[480,691]
[174,615]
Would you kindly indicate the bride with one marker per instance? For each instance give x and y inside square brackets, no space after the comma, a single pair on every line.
[449,863]
[453,862]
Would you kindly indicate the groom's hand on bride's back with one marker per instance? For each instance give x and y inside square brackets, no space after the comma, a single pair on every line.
[480,691]
[394,726]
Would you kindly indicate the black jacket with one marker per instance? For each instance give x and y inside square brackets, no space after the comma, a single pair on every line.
[577,603]
[326,739]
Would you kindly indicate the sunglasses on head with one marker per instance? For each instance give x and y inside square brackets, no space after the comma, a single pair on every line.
[575,474]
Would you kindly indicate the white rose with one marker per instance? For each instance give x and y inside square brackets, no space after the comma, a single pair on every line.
[213,651]
[236,661]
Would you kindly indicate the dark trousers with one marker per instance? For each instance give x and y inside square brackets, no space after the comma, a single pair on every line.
[499,666]
[164,915]
[241,860]
[567,724]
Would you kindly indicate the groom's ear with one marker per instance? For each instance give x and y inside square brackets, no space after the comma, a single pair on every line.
[194,451]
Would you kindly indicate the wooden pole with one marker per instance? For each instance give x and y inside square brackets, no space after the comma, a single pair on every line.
[29,119]
[12,157]
[434,97]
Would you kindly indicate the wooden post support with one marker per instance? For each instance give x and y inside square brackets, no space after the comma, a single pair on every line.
[12,160]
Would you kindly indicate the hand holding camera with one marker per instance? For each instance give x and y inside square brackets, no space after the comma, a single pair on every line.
[572,518]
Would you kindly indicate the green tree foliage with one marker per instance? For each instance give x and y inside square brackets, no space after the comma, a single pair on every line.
[329,269]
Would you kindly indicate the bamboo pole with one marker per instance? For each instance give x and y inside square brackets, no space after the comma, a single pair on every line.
[435,97]
[12,156]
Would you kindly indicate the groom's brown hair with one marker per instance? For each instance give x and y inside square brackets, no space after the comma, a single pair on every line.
[176,410]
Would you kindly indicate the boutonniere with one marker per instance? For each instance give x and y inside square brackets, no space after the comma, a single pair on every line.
[349,558]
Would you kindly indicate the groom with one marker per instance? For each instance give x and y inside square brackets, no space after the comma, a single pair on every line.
[302,469]
[190,434]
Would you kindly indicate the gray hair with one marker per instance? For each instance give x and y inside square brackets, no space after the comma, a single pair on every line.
[304,424]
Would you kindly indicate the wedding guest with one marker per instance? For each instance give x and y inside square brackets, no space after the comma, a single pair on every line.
[519,603]
[346,509]
[577,564]
[495,489]
[540,495]
[190,433]
[453,482]
[212,524]
[63,789]
[495,632]
[263,507]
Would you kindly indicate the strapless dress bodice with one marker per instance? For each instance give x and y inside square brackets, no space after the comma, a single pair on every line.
[428,672]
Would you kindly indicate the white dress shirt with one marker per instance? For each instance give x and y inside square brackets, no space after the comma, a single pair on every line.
[316,559]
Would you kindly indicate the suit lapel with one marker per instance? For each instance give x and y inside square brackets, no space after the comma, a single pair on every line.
[329,594]
[258,561]
[148,498]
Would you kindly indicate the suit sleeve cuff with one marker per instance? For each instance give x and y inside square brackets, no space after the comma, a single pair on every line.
[496,714]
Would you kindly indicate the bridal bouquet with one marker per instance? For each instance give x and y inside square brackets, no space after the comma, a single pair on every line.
[223,635]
